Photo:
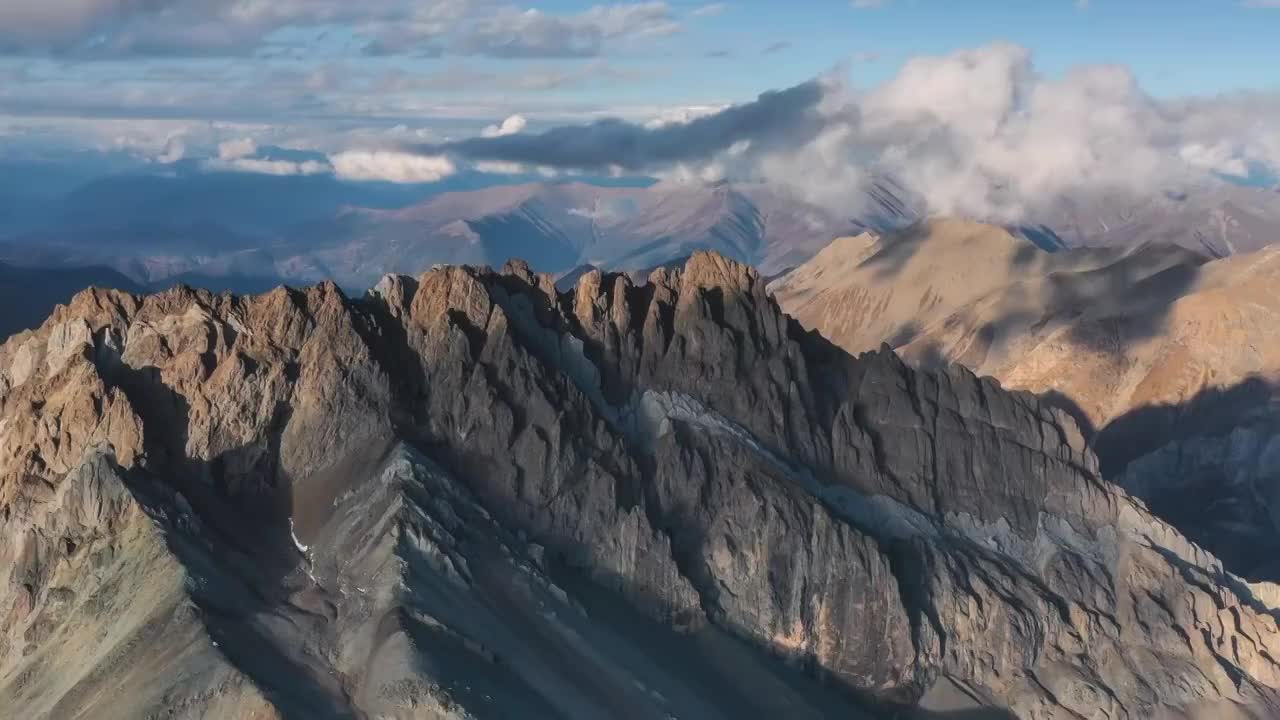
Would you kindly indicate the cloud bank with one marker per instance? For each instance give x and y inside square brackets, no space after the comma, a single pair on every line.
[978,132]
[775,118]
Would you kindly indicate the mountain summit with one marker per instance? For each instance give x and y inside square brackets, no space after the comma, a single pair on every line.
[470,495]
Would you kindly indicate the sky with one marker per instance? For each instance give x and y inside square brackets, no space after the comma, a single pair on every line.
[413,90]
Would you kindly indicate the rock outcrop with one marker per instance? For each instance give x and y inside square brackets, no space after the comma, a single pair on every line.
[469,495]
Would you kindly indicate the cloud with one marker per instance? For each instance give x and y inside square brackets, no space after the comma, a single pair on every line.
[265,166]
[977,132]
[189,28]
[514,33]
[681,115]
[866,4]
[500,168]
[167,27]
[1221,157]
[512,125]
[775,47]
[710,10]
[237,149]
[175,149]
[390,166]
[784,116]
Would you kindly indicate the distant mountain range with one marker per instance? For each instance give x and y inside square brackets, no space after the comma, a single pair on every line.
[28,295]
[556,226]
[247,234]
[1216,219]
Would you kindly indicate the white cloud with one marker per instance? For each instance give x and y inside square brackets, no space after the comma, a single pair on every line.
[681,115]
[500,168]
[175,148]
[977,132]
[237,148]
[499,28]
[510,126]
[511,32]
[266,166]
[1222,157]
[709,10]
[391,166]
[980,133]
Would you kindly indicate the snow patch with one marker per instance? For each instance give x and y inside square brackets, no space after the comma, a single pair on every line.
[296,542]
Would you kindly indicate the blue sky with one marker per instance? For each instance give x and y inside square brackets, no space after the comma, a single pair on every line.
[1174,46]
[257,84]
[715,53]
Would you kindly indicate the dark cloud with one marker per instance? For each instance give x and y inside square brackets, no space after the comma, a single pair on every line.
[776,47]
[781,116]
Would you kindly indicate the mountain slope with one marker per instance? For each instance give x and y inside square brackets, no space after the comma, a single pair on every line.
[867,290]
[467,493]
[1169,361]
[1216,219]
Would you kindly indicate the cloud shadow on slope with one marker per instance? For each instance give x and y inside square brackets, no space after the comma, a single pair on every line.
[1102,301]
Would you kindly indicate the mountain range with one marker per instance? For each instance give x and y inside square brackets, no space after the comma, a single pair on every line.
[555,226]
[223,231]
[467,494]
[1216,219]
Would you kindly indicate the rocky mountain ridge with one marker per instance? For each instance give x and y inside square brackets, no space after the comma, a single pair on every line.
[467,494]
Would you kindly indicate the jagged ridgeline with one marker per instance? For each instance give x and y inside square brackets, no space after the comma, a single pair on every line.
[468,495]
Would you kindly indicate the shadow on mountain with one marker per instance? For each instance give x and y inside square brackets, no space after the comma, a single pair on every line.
[234,537]
[1063,402]
[893,257]
[1106,309]
[737,674]
[508,236]
[1136,295]
[1042,236]
[1211,412]
[1100,300]
[1202,466]
[28,295]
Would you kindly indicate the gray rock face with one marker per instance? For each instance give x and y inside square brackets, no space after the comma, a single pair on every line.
[1222,489]
[468,495]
